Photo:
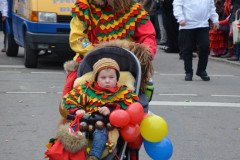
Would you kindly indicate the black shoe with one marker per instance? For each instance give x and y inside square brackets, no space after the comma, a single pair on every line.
[227,55]
[161,43]
[203,75]
[219,55]
[3,50]
[171,50]
[188,77]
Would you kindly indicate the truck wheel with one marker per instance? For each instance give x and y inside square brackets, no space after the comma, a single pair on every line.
[11,46]
[30,55]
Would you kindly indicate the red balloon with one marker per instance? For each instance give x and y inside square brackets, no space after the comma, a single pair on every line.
[119,118]
[135,111]
[137,143]
[130,132]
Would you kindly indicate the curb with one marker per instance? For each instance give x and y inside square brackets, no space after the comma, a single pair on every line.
[224,60]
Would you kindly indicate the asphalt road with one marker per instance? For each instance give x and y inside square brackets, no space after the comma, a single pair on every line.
[203,117]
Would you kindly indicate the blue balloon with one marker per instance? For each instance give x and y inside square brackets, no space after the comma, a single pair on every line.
[161,150]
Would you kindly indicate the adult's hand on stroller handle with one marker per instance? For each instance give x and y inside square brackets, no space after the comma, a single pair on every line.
[104,111]
[80,111]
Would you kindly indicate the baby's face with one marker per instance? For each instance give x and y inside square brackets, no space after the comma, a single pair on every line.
[107,78]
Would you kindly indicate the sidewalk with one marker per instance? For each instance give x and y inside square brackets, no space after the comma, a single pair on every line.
[223,60]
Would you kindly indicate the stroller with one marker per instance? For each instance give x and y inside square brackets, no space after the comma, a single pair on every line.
[127,62]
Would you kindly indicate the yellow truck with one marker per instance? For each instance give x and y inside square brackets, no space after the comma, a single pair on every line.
[40,26]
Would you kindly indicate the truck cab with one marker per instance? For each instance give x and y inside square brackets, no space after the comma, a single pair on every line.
[38,26]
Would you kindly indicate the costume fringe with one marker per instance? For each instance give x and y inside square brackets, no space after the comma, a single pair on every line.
[111,25]
[95,98]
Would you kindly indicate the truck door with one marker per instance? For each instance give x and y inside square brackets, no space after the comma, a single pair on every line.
[14,20]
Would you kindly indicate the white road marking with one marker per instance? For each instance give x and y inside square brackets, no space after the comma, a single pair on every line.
[47,72]
[163,103]
[213,75]
[10,72]
[163,74]
[216,75]
[12,66]
[26,92]
[226,96]
[208,104]
[195,95]
[178,95]
[60,72]
[31,92]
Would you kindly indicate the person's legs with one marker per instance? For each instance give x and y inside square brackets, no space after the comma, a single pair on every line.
[236,55]
[180,45]
[156,26]
[4,32]
[187,43]
[163,34]
[229,50]
[202,39]
[99,142]
[172,33]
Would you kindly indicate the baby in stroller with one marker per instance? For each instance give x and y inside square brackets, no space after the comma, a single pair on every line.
[102,95]
[109,96]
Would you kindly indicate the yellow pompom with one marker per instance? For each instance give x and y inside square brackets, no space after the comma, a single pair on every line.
[88,150]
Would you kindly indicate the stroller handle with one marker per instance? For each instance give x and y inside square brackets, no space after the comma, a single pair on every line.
[90,118]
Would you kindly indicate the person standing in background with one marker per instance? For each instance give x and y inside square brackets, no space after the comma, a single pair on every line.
[4,11]
[148,5]
[236,47]
[163,34]
[193,17]
[171,27]
[219,38]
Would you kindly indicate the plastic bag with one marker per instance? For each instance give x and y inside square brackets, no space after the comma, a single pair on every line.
[236,28]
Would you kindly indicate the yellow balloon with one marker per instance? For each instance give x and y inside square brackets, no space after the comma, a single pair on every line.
[153,128]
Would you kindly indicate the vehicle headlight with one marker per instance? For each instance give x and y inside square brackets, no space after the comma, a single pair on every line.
[47,17]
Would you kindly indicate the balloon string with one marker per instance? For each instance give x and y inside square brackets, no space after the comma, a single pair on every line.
[116,154]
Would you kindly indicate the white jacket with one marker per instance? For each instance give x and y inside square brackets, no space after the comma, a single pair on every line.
[196,13]
[4,7]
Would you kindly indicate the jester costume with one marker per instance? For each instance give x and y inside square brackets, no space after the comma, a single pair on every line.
[93,23]
[90,96]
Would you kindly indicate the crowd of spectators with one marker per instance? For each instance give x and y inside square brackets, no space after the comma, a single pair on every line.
[221,40]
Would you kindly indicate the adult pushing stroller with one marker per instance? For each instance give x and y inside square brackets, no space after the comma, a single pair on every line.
[128,63]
